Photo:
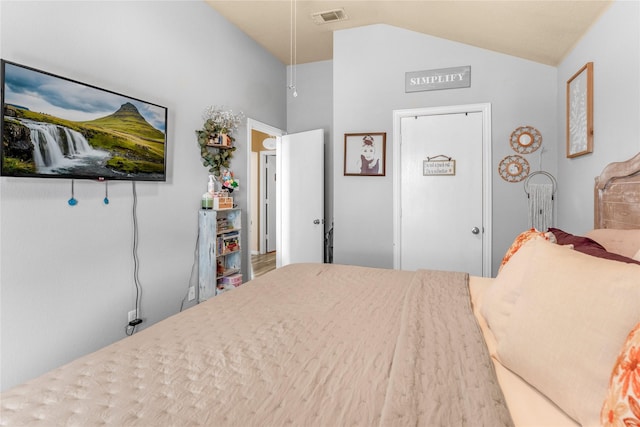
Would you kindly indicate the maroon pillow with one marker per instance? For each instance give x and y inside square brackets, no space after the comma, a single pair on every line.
[588,246]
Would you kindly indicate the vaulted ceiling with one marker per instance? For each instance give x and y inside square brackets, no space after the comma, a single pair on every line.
[539,30]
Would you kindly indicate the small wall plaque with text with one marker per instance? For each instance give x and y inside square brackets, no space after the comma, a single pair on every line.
[438,167]
[443,78]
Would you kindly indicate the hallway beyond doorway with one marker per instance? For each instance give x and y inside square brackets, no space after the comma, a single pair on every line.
[263,263]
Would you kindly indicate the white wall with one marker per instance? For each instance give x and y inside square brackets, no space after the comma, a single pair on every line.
[313,109]
[613,45]
[66,272]
[369,69]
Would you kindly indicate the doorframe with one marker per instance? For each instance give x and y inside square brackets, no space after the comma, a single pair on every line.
[485,109]
[263,194]
[253,124]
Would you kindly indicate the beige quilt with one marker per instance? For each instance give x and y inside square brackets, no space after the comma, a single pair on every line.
[307,345]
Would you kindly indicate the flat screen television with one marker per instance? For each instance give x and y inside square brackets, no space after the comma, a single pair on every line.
[55,127]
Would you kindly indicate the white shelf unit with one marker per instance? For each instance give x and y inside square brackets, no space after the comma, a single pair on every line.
[219,251]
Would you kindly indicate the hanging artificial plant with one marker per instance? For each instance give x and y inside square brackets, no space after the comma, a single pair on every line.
[216,143]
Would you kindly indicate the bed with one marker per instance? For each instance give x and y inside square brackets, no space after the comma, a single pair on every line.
[326,345]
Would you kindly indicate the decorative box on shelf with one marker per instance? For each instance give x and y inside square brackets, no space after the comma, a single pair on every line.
[234,279]
[222,203]
[222,200]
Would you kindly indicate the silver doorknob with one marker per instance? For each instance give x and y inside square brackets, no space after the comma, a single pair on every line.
[316,221]
[475,230]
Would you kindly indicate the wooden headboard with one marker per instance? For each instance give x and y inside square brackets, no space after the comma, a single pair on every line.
[617,195]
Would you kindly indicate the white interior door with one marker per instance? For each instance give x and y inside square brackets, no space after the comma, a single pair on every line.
[300,204]
[268,197]
[442,219]
[253,214]
[270,202]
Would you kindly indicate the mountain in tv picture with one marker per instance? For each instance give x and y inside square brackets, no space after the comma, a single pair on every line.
[129,120]
[120,145]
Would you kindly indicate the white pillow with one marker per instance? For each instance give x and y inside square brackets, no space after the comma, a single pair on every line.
[499,299]
[561,326]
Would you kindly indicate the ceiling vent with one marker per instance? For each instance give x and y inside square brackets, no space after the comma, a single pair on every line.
[329,16]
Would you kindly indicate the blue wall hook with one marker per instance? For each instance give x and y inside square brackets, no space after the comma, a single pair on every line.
[72,201]
[106,193]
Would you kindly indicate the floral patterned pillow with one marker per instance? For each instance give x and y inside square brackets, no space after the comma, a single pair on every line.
[521,239]
[622,406]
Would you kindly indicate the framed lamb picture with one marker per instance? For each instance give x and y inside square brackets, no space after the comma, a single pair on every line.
[365,154]
[580,112]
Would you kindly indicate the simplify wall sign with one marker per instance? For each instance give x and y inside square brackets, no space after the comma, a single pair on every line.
[443,78]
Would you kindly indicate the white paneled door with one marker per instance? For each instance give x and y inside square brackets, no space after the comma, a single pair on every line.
[442,217]
[270,201]
[300,204]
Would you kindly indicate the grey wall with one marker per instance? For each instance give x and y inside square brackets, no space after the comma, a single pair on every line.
[66,273]
[369,67]
[613,44]
[313,109]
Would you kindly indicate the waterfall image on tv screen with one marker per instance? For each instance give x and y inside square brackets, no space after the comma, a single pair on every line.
[60,128]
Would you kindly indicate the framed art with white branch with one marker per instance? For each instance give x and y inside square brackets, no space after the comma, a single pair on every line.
[580,112]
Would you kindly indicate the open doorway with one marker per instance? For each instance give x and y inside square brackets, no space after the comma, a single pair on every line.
[299,226]
[262,221]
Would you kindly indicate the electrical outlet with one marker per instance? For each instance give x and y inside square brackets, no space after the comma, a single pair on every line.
[192,293]
[131,316]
